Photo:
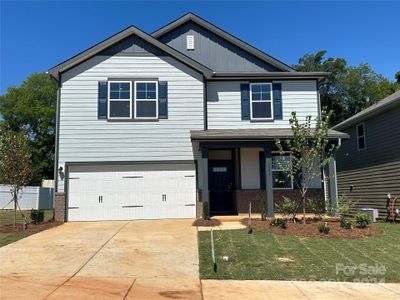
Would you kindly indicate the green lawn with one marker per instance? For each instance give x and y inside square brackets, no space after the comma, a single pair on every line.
[7,217]
[259,256]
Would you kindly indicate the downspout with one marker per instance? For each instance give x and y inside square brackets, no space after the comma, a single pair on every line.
[56,138]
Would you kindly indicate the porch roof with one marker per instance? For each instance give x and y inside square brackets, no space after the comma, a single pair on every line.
[257,134]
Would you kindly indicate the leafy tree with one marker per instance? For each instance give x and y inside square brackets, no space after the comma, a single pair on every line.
[15,165]
[397,76]
[348,90]
[31,107]
[309,145]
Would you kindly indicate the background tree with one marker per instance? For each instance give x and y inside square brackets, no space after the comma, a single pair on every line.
[309,145]
[15,165]
[397,76]
[348,90]
[31,107]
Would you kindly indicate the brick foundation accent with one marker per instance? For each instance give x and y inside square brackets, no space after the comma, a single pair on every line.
[199,205]
[243,197]
[59,207]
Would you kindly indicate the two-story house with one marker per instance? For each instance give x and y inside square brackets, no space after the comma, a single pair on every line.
[154,125]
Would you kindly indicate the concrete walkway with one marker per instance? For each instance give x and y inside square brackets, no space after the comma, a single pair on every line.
[104,260]
[269,289]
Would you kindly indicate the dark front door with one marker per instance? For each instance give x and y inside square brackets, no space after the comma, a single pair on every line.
[220,176]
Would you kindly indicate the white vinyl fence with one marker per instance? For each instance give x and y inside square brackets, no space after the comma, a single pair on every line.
[31,197]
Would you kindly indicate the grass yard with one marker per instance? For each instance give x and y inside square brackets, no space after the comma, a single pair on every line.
[7,217]
[264,255]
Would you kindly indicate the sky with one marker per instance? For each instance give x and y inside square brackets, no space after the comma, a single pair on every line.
[36,35]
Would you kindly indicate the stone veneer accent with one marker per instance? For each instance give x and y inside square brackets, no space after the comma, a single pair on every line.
[59,207]
[243,197]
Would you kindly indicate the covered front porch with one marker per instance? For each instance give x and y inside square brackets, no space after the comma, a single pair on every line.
[238,167]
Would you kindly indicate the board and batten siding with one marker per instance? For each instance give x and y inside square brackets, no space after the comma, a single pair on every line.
[85,138]
[224,104]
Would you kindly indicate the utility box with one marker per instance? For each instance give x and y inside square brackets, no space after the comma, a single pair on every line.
[372,212]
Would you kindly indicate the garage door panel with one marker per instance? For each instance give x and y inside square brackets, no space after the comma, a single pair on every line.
[132,192]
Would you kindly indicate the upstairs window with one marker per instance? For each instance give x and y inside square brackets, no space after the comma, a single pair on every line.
[261,107]
[120,99]
[361,145]
[146,99]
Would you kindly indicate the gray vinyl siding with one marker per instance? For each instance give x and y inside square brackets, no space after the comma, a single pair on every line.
[371,185]
[84,138]
[224,104]
[213,51]
[382,135]
[375,171]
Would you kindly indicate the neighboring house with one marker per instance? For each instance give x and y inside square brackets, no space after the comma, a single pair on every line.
[368,163]
[151,126]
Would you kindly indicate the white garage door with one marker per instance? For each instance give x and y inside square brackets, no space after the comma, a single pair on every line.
[131,192]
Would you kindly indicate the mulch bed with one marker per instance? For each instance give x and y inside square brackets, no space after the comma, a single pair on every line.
[207,223]
[311,229]
[32,228]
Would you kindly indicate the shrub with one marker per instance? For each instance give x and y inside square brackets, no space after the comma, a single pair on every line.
[317,206]
[324,228]
[288,207]
[206,210]
[344,207]
[345,223]
[279,223]
[37,216]
[362,220]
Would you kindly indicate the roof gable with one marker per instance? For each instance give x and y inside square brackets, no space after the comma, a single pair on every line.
[213,39]
[116,43]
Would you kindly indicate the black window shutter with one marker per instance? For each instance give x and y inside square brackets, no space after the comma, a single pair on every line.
[163,100]
[277,94]
[262,170]
[102,100]
[245,97]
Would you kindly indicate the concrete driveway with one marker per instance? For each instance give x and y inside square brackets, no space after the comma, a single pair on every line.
[104,260]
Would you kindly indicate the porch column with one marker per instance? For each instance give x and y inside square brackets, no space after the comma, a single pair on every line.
[204,177]
[268,181]
[332,183]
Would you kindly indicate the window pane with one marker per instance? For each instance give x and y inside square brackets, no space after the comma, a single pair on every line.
[281,162]
[256,88]
[256,96]
[151,86]
[147,109]
[119,109]
[124,86]
[125,95]
[361,143]
[261,110]
[151,95]
[360,130]
[266,96]
[281,179]
[140,95]
[140,86]
[266,88]
[114,95]
[114,86]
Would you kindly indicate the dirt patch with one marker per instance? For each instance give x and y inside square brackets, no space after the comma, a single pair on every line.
[311,229]
[207,223]
[285,259]
[31,228]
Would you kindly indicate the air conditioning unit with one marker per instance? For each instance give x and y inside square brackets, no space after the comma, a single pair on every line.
[372,212]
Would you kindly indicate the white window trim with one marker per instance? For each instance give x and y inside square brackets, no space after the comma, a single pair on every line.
[155,100]
[291,178]
[111,100]
[256,101]
[361,136]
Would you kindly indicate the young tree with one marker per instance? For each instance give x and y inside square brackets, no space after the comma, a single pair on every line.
[15,167]
[309,146]
[31,107]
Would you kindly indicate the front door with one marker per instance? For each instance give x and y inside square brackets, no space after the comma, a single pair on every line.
[220,176]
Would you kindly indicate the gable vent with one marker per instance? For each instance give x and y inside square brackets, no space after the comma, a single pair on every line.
[190,42]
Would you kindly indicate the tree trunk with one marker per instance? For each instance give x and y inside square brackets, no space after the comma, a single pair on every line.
[15,212]
[304,208]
